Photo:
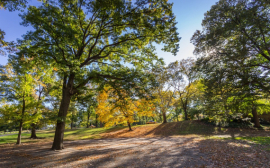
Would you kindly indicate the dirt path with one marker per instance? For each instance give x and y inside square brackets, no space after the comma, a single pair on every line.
[168,152]
[132,152]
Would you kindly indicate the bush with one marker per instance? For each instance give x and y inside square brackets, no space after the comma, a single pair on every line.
[234,121]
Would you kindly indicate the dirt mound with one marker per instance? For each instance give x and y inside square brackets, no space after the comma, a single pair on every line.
[182,128]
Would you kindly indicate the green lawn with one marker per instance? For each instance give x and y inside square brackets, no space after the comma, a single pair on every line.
[12,132]
[74,134]
[259,140]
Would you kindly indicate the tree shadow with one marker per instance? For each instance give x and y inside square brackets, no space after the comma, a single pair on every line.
[141,152]
[161,150]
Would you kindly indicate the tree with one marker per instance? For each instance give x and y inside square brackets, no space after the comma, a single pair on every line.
[184,82]
[73,115]
[93,41]
[230,87]
[38,96]
[12,5]
[121,109]
[88,102]
[163,93]
[237,31]
[234,55]
[176,111]
[18,89]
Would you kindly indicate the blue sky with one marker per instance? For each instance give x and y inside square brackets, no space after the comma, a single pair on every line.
[189,15]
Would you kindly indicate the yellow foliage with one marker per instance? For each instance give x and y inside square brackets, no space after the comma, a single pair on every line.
[113,110]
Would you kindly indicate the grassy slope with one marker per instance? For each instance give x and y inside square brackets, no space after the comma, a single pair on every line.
[183,128]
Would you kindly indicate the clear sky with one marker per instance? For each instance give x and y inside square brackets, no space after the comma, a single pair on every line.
[189,15]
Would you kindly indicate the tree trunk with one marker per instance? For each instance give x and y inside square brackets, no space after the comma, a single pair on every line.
[33,125]
[255,118]
[88,116]
[60,126]
[129,126]
[21,124]
[20,133]
[185,110]
[96,120]
[33,131]
[164,117]
[71,124]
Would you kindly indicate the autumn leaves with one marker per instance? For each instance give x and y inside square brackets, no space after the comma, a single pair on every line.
[116,109]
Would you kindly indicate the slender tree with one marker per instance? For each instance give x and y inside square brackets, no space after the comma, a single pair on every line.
[163,93]
[183,82]
[18,88]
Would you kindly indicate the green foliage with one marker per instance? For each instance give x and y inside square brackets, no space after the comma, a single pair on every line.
[232,121]
[99,42]
[234,57]
[188,88]
[13,5]
[95,48]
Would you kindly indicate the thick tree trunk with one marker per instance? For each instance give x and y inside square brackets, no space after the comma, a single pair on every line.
[255,118]
[60,126]
[33,131]
[129,126]
[164,117]
[21,124]
[186,117]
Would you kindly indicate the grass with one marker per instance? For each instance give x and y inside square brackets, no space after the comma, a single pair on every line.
[181,128]
[74,134]
[11,132]
[259,140]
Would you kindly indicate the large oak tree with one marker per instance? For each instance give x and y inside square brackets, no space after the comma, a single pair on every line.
[104,41]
